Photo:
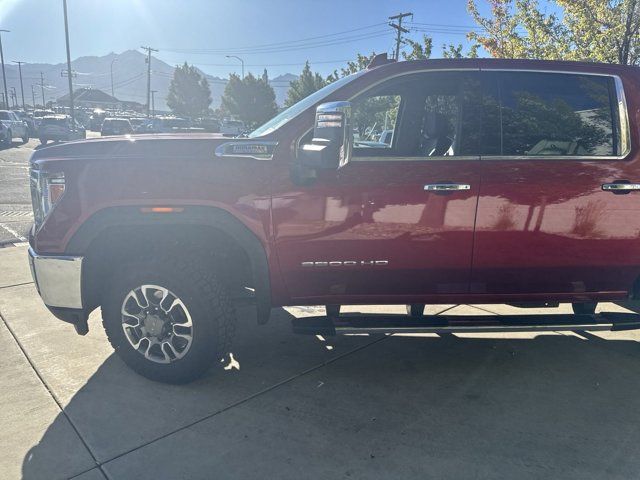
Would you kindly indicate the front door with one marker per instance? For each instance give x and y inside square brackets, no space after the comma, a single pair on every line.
[381,226]
[545,225]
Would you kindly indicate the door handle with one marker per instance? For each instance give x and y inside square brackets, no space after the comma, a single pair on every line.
[620,187]
[446,187]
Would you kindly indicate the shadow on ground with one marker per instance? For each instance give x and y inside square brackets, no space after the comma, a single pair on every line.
[551,406]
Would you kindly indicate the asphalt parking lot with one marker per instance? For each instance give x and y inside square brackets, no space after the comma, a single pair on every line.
[15,200]
[458,406]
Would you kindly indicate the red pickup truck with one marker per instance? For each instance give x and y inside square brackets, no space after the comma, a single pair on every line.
[497,181]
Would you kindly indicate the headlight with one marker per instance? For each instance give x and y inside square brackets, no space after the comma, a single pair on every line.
[47,189]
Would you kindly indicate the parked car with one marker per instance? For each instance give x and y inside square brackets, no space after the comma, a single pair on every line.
[165,125]
[28,119]
[137,122]
[60,128]
[115,126]
[210,125]
[507,181]
[96,119]
[232,127]
[38,115]
[15,128]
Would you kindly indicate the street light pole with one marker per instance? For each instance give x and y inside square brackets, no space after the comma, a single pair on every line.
[21,86]
[70,76]
[14,96]
[112,94]
[153,103]
[4,75]
[33,97]
[241,61]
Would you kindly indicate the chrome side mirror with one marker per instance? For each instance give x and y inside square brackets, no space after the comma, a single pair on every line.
[332,143]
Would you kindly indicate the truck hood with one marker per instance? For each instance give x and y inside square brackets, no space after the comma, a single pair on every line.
[133,147]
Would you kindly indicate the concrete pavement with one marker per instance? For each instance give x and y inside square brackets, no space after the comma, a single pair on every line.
[483,406]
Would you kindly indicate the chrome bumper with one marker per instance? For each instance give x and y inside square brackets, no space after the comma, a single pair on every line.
[58,279]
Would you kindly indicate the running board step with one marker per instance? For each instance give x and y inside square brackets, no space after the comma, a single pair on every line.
[377,323]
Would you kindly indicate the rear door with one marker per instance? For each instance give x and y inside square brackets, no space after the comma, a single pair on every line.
[381,225]
[544,224]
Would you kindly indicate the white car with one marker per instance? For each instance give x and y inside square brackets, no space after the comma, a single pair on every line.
[14,128]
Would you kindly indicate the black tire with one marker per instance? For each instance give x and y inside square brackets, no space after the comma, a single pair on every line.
[415,310]
[43,141]
[9,138]
[587,308]
[25,139]
[212,315]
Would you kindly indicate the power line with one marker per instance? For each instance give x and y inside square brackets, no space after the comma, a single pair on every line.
[285,43]
[294,47]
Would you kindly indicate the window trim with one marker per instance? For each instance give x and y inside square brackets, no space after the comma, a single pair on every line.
[623,115]
[389,158]
[624,144]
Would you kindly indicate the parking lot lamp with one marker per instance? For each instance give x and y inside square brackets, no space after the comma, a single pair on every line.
[241,61]
[4,75]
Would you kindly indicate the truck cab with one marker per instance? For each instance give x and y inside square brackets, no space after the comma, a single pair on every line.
[502,181]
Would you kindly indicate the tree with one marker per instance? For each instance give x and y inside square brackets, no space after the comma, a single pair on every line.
[307,83]
[189,93]
[587,30]
[360,63]
[251,99]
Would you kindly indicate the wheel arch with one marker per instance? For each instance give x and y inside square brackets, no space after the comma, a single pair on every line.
[110,222]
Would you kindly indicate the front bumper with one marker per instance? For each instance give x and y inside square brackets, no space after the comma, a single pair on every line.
[58,279]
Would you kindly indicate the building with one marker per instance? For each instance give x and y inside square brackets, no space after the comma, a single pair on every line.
[90,98]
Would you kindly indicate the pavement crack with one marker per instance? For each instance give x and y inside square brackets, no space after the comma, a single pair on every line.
[50,391]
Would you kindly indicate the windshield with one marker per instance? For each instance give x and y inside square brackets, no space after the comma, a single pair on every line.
[294,110]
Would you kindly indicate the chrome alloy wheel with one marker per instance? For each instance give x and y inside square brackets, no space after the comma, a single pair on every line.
[157,323]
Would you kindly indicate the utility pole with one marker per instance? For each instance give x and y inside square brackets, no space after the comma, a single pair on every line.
[42,88]
[70,76]
[149,50]
[4,75]
[33,97]
[14,97]
[111,69]
[399,30]
[21,86]
[153,103]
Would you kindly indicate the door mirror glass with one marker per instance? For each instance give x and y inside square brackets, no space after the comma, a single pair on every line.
[332,143]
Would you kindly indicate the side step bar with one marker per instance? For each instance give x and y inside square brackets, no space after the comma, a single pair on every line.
[377,323]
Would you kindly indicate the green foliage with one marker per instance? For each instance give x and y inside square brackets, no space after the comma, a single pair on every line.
[189,93]
[361,62]
[419,51]
[251,99]
[588,30]
[307,83]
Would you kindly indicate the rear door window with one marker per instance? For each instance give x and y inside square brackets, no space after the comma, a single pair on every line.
[550,114]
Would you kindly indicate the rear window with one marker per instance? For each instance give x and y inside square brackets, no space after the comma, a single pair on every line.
[550,114]
[5,116]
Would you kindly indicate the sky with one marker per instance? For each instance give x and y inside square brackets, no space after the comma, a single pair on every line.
[277,34]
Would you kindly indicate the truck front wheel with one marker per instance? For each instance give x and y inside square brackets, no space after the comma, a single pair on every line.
[168,321]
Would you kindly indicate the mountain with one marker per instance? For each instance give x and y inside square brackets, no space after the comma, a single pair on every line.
[129,79]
